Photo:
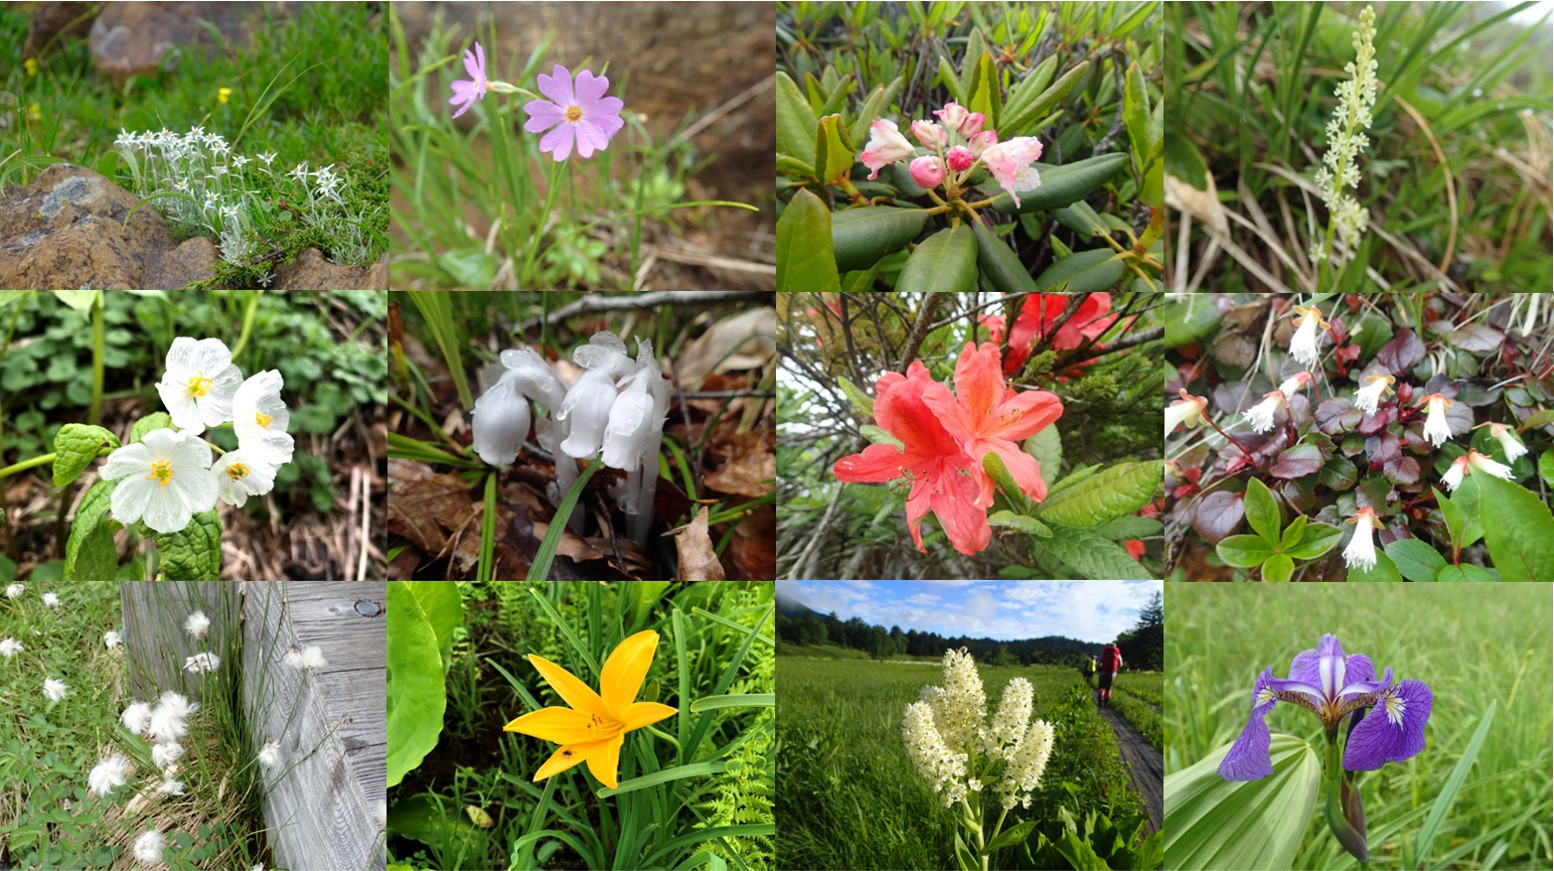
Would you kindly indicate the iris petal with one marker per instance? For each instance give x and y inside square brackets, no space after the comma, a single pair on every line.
[1393,731]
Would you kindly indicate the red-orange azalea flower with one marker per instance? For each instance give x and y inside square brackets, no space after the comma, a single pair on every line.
[944,478]
[593,726]
[985,416]
[1040,316]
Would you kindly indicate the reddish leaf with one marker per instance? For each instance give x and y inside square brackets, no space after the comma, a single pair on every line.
[1219,513]
[1400,354]
[1374,423]
[1403,470]
[1297,462]
[1337,331]
[1382,449]
[1337,415]
[1475,338]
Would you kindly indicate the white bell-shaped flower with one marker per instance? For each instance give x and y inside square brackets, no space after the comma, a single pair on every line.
[604,352]
[240,475]
[1373,388]
[534,377]
[1436,428]
[1260,416]
[166,480]
[199,383]
[586,411]
[629,429]
[1362,547]
[501,421]
[1453,477]
[260,419]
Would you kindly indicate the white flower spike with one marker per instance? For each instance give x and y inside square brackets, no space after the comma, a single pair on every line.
[199,383]
[1362,548]
[167,480]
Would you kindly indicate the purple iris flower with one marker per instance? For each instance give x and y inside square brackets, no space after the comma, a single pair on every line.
[1390,718]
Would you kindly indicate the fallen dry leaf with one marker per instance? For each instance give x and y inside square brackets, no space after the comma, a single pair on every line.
[698,559]
[743,341]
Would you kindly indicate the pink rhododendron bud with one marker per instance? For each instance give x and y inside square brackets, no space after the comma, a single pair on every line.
[960,158]
[972,125]
[952,114]
[930,134]
[1010,163]
[886,146]
[928,171]
[981,142]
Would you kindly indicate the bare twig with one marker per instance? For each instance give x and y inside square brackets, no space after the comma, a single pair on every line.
[593,303]
[920,329]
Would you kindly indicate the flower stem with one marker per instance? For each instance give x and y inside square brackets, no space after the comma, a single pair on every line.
[539,227]
[94,411]
[24,465]
[248,323]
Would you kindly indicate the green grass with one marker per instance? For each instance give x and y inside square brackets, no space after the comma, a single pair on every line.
[848,796]
[310,88]
[1137,698]
[1473,645]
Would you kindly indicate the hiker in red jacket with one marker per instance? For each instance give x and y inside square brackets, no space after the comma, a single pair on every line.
[1111,662]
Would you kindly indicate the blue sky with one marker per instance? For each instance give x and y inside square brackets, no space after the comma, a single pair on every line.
[1094,611]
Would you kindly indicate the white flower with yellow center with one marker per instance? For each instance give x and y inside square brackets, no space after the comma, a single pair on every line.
[260,419]
[166,480]
[239,476]
[1436,429]
[199,383]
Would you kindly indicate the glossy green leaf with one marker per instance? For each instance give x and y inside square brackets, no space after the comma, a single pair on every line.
[1094,557]
[1415,560]
[983,95]
[1385,571]
[945,261]
[444,610]
[416,696]
[1189,322]
[1119,490]
[796,121]
[1465,573]
[1025,92]
[994,466]
[76,446]
[86,551]
[1214,823]
[1064,184]
[1028,525]
[1318,540]
[1047,447]
[1520,534]
[1546,467]
[1131,526]
[1082,219]
[1144,135]
[194,552]
[1244,551]
[1017,124]
[860,237]
[1278,568]
[1083,272]
[1263,512]
[1294,533]
[804,259]
[1184,161]
[999,264]
[870,109]
[833,159]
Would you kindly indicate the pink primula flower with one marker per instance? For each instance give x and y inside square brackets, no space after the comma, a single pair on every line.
[886,146]
[1010,163]
[576,114]
[466,93]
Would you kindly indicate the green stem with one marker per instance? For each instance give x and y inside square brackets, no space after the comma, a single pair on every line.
[94,412]
[248,324]
[539,227]
[24,465]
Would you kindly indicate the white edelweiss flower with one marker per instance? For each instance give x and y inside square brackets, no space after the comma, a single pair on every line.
[10,647]
[270,755]
[1436,429]
[197,624]
[1362,548]
[112,639]
[1303,346]
[148,847]
[240,161]
[50,600]
[238,477]
[299,172]
[54,689]
[260,419]
[202,663]
[137,717]
[109,775]
[15,591]
[1187,411]
[268,157]
[199,383]
[1260,416]
[1368,397]
[167,480]
[164,754]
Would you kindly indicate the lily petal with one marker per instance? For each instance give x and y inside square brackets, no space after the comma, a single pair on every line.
[641,714]
[569,755]
[560,725]
[606,763]
[621,678]
[567,685]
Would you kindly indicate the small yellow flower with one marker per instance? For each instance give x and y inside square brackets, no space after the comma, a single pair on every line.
[35,112]
[593,726]
[32,66]
[223,93]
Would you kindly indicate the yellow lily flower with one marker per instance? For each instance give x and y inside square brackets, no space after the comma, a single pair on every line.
[593,726]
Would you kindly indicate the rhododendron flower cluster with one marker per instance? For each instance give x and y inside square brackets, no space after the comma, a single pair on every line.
[1041,318]
[944,437]
[956,145]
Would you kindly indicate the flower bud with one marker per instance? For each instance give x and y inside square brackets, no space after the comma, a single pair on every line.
[972,125]
[930,134]
[960,158]
[952,114]
[982,142]
[928,171]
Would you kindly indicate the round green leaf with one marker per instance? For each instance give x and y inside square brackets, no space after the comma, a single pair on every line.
[1064,185]
[1318,540]
[76,446]
[1083,271]
[1463,573]
[947,260]
[1385,571]
[1121,489]
[1262,511]
[1518,529]
[860,237]
[1279,567]
[999,264]
[1244,551]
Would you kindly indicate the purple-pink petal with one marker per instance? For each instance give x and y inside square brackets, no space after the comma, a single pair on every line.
[557,86]
[543,115]
[605,106]
[475,64]
[558,142]
[590,138]
[1248,758]
[1378,740]
[590,88]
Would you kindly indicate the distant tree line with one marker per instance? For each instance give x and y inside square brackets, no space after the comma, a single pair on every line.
[1141,645]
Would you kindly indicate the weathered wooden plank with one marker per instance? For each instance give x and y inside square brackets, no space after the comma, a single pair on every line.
[327,811]
[155,642]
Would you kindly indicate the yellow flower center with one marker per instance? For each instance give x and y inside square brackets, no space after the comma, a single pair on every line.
[161,472]
[199,385]
[262,419]
[574,114]
[237,471]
